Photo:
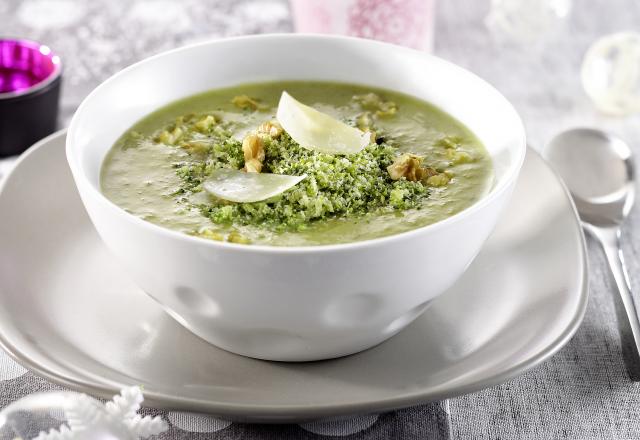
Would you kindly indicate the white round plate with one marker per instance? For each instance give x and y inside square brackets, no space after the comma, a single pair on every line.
[68,312]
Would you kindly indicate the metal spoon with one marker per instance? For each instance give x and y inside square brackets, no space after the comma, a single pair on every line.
[598,169]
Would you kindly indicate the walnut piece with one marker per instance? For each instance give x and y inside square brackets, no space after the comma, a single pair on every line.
[438,180]
[373,102]
[205,124]
[253,149]
[408,166]
[170,137]
[245,102]
[211,235]
[270,128]
[364,121]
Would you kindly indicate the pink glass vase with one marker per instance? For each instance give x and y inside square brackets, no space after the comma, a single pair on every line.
[405,22]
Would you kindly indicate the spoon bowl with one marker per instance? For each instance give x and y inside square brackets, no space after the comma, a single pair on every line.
[599,171]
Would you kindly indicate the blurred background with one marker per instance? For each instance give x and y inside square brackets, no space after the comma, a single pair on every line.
[532,51]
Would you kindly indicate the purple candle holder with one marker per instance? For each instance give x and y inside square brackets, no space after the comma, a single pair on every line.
[30,77]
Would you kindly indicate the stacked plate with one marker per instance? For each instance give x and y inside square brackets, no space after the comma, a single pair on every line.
[70,313]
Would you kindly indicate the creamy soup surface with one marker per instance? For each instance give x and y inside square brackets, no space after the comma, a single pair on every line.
[421,166]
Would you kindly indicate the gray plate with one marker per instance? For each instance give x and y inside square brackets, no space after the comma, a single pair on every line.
[69,312]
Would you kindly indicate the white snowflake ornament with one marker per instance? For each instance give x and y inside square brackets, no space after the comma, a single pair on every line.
[88,419]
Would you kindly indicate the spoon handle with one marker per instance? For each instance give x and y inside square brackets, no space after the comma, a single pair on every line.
[628,318]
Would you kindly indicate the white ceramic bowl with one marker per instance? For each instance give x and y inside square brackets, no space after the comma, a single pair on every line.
[293,303]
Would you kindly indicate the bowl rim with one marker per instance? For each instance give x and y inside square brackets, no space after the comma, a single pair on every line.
[80,176]
[52,77]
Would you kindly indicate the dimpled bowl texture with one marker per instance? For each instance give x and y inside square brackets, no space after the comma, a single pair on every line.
[293,303]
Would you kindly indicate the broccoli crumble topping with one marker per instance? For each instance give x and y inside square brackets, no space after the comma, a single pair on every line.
[335,185]
[378,178]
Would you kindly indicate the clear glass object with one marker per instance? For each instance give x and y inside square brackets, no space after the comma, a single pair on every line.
[526,21]
[611,73]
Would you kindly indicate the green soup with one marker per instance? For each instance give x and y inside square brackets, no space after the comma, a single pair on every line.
[421,166]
